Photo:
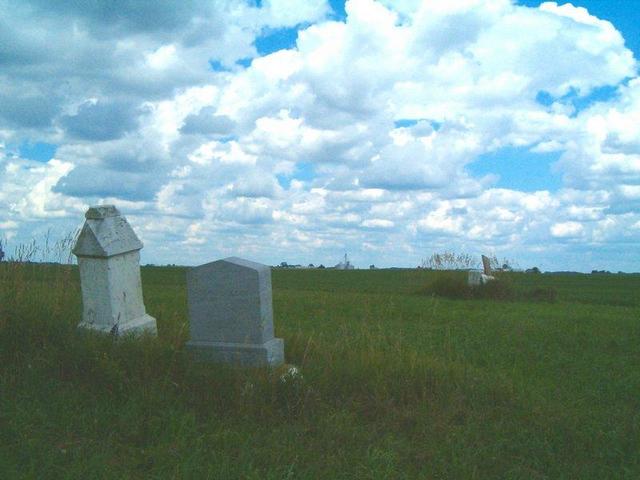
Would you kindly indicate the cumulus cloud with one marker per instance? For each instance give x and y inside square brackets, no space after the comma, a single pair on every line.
[360,136]
[100,121]
[206,122]
[567,229]
[27,111]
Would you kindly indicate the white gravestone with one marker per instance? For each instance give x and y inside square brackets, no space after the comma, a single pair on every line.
[231,314]
[108,252]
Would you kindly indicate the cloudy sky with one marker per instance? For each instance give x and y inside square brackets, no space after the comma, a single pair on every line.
[298,130]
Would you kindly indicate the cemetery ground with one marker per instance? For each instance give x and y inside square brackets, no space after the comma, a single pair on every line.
[396,382]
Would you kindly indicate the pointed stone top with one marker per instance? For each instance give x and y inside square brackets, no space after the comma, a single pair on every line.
[236,262]
[244,263]
[105,233]
[98,212]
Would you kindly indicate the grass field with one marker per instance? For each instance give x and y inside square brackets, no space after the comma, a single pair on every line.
[397,383]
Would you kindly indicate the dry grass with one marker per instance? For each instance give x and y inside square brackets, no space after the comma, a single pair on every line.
[395,384]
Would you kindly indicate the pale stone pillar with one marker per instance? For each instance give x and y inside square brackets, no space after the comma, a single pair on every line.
[108,252]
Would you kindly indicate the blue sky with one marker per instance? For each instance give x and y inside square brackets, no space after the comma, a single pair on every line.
[290,130]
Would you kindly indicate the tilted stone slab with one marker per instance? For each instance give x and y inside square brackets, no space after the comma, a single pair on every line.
[108,252]
[231,313]
[486,265]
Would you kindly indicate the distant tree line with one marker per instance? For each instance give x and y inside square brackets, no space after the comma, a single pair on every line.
[287,265]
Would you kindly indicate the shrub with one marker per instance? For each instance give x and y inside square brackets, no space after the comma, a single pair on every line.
[454,285]
[449,261]
[450,285]
[498,289]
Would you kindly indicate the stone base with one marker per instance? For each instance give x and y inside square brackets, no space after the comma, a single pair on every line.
[478,278]
[270,353]
[145,323]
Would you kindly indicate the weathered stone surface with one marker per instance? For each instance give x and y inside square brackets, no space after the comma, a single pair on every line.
[105,234]
[486,265]
[476,278]
[108,252]
[270,353]
[231,313]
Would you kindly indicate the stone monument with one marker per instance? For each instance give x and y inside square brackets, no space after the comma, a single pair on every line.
[486,265]
[108,252]
[231,314]
[476,278]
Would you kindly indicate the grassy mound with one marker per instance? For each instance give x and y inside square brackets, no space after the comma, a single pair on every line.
[453,285]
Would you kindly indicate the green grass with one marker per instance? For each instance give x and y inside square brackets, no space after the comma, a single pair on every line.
[397,383]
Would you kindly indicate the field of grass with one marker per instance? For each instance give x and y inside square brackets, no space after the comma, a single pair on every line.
[396,383]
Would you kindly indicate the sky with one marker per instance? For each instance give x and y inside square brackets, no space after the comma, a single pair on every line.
[298,130]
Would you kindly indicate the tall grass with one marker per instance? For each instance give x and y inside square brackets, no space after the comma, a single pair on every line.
[35,280]
[393,384]
[454,285]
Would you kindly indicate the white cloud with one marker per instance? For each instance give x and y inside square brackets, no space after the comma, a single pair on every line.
[299,153]
[567,229]
[163,57]
[378,223]
[288,13]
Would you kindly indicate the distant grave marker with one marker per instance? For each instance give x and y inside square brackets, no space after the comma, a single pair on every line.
[108,252]
[231,313]
[476,278]
[486,265]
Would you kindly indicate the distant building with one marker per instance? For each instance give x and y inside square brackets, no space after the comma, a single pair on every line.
[345,264]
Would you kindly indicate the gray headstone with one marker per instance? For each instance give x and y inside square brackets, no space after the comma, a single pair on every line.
[231,313]
[108,252]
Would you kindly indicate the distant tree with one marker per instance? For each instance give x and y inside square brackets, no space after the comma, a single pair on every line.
[535,270]
[321,266]
[372,267]
[311,265]
[1,251]
[284,265]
